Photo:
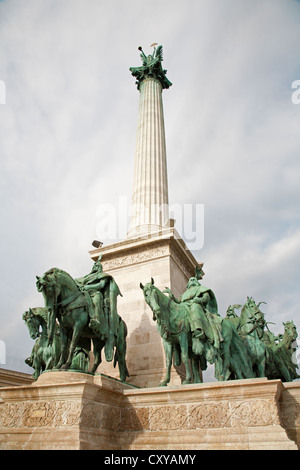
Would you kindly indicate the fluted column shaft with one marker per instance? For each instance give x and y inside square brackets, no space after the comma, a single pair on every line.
[149,210]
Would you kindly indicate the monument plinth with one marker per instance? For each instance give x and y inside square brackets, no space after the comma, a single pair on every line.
[66,410]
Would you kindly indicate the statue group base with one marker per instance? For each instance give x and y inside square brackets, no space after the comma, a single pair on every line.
[69,410]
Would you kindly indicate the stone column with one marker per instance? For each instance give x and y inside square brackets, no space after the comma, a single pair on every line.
[149,210]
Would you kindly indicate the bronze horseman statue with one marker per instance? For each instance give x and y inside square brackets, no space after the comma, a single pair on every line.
[240,347]
[79,311]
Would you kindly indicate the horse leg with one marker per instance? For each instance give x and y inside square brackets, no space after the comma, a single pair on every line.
[98,345]
[75,338]
[251,361]
[123,371]
[184,345]
[261,367]
[56,351]
[177,355]
[168,353]
[284,372]
[120,355]
[195,369]
[236,369]
[37,368]
[63,347]
[227,336]
[48,358]
[244,369]
[219,368]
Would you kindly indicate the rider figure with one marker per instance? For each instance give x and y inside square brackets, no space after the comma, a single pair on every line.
[203,315]
[104,318]
[232,316]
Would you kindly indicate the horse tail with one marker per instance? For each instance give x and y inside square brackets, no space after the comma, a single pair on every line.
[116,358]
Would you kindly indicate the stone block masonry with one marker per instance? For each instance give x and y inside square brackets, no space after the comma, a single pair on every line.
[66,410]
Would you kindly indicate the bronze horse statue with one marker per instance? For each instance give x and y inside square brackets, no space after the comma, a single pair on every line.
[251,330]
[44,356]
[173,327]
[173,324]
[281,354]
[69,306]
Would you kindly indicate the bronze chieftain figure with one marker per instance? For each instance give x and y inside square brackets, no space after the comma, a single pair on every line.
[84,310]
[104,292]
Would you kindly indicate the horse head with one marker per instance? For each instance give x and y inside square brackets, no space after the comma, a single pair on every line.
[252,307]
[50,289]
[291,330]
[48,286]
[151,298]
[32,323]
[252,319]
[40,283]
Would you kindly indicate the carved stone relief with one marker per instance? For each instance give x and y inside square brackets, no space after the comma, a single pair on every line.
[41,413]
[209,415]
[168,417]
[137,255]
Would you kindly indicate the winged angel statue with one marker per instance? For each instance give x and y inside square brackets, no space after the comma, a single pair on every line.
[151,67]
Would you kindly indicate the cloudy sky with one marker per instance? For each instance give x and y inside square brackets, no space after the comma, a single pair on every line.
[67,139]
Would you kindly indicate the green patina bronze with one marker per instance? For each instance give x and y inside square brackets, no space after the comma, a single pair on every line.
[151,68]
[76,313]
[44,356]
[239,347]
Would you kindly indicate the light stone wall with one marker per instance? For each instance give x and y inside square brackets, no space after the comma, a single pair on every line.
[11,377]
[290,409]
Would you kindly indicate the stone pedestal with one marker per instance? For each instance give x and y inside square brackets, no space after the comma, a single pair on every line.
[233,415]
[61,411]
[165,257]
[66,410]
